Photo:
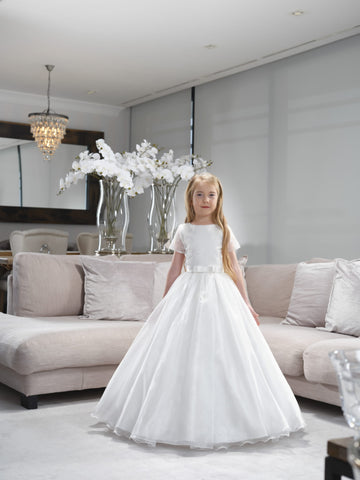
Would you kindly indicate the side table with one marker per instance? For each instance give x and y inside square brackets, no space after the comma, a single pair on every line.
[336,463]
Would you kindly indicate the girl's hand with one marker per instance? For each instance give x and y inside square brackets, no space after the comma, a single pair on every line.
[254,314]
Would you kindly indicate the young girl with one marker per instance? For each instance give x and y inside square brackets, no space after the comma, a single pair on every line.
[200,373]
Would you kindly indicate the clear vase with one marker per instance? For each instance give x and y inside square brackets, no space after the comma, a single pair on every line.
[347,367]
[161,217]
[112,218]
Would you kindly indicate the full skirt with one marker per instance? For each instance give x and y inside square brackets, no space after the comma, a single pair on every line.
[200,373]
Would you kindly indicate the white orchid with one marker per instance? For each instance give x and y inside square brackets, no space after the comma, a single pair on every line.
[105,164]
[185,171]
[164,170]
[135,171]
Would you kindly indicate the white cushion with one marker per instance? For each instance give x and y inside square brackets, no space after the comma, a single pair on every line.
[117,290]
[310,295]
[343,314]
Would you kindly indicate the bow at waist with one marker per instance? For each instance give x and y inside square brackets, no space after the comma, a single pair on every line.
[205,269]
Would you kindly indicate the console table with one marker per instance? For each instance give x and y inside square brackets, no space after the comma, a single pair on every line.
[336,463]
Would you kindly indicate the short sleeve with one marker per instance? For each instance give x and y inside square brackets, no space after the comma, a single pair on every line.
[233,243]
[177,243]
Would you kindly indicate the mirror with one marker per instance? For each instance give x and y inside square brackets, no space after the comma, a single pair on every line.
[26,202]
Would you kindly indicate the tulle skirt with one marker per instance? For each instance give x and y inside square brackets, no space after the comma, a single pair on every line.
[200,374]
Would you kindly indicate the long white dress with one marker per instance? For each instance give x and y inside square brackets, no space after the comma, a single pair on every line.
[200,373]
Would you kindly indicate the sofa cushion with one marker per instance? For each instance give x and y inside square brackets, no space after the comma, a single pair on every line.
[269,288]
[29,345]
[116,290]
[317,365]
[47,285]
[343,313]
[310,295]
[288,343]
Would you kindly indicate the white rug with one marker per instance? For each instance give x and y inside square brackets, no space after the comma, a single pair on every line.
[60,440]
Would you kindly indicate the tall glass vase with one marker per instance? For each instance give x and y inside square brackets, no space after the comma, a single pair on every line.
[161,217]
[112,218]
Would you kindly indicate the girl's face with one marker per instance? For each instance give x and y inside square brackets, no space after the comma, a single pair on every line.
[204,200]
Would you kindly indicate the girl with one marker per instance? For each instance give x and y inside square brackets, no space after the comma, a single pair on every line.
[200,373]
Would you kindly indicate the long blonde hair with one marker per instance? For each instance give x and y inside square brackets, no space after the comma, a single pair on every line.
[218,215]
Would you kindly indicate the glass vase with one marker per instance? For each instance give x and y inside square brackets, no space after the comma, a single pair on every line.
[161,217]
[347,367]
[112,218]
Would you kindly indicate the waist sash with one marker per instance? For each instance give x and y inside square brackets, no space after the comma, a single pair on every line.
[205,269]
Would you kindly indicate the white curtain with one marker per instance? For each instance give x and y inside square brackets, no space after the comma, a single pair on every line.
[285,141]
[232,129]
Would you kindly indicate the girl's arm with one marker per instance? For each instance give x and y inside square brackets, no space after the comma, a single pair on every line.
[175,270]
[241,285]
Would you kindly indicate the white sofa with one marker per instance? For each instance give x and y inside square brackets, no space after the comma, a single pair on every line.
[47,346]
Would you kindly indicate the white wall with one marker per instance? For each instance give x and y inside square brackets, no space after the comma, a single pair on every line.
[285,141]
[113,121]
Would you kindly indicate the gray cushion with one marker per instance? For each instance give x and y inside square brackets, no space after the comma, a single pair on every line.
[47,285]
[118,290]
[310,295]
[269,288]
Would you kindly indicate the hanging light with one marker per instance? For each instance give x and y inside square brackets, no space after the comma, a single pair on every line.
[48,127]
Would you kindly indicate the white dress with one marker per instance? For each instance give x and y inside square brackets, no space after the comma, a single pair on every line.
[200,373]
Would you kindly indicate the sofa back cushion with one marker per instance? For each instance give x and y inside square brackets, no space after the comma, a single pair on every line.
[53,285]
[47,285]
[310,295]
[269,288]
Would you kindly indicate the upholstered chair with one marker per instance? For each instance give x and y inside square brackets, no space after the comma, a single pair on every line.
[44,240]
[88,243]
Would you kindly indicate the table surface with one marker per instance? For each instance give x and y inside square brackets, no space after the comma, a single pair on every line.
[6,258]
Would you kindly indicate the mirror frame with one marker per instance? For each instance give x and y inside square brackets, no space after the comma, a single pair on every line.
[54,215]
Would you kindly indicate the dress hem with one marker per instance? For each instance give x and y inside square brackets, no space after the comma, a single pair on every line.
[195,445]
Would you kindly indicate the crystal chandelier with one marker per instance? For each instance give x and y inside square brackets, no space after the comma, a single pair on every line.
[48,128]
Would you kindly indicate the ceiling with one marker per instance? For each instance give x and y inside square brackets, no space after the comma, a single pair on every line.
[124,52]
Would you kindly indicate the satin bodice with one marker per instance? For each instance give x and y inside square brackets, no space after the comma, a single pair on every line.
[202,246]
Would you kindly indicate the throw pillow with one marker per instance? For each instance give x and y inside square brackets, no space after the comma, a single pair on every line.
[118,290]
[343,314]
[270,287]
[310,296]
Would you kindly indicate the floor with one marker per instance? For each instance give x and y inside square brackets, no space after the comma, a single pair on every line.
[60,440]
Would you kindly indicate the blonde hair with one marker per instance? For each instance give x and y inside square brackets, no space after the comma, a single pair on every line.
[218,215]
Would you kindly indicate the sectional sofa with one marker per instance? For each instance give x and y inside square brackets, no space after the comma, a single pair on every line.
[72,318]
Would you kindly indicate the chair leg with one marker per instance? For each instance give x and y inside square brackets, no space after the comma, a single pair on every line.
[30,402]
[2,301]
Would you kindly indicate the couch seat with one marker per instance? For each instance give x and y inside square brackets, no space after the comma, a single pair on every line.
[317,365]
[288,343]
[29,345]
